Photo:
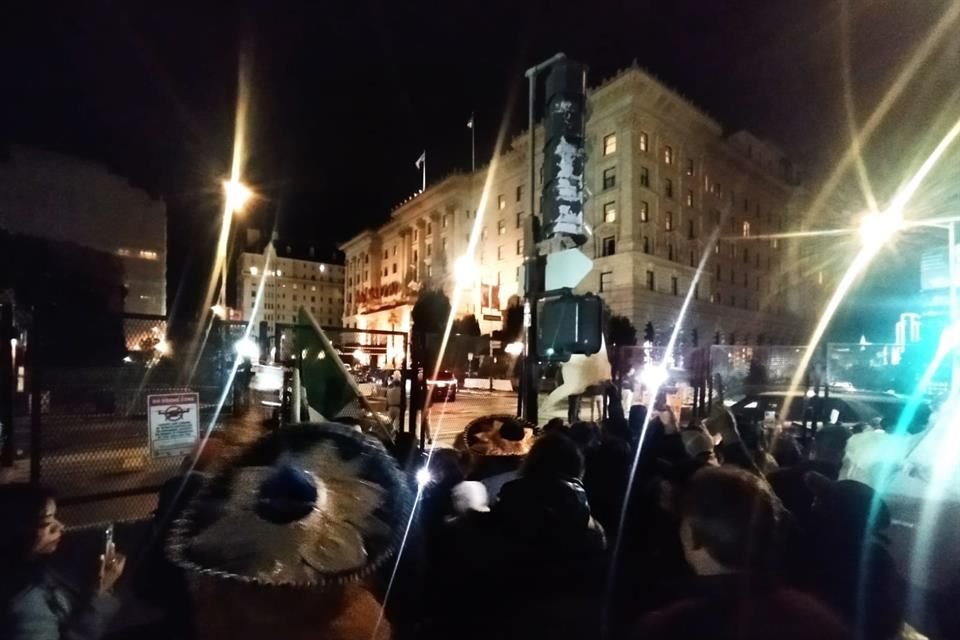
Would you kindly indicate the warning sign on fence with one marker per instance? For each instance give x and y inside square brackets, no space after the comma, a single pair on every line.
[174,421]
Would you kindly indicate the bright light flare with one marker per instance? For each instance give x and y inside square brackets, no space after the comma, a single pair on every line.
[219,310]
[514,348]
[163,347]
[653,376]
[877,228]
[237,195]
[247,348]
[465,270]
[424,477]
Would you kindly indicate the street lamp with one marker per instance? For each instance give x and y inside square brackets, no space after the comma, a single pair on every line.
[464,270]
[878,227]
[236,195]
[248,349]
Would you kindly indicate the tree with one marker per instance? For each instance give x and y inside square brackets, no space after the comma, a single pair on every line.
[467,325]
[757,373]
[649,334]
[430,311]
[621,332]
[513,323]
[429,315]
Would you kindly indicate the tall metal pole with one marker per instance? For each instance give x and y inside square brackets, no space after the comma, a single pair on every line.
[8,377]
[530,381]
[473,143]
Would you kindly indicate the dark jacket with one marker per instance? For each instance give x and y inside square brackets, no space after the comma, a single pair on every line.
[731,607]
[51,609]
[547,537]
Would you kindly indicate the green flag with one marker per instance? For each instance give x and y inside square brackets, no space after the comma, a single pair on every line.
[331,390]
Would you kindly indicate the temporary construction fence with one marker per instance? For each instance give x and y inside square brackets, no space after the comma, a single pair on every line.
[81,423]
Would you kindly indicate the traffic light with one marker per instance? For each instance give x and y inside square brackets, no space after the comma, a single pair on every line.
[563,151]
[569,324]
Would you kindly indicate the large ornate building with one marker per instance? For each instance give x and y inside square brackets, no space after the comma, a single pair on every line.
[661,175]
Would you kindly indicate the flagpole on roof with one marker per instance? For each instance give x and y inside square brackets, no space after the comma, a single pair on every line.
[421,164]
[473,143]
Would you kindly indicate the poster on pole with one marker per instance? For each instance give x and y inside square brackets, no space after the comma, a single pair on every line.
[174,423]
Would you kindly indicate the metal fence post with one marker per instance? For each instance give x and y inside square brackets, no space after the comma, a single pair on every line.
[36,419]
[7,382]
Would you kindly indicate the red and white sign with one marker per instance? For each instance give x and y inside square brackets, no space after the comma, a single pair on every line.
[173,423]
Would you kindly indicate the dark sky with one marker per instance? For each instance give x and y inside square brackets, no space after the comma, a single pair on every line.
[345,95]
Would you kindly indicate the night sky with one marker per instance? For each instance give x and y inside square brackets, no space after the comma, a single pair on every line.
[345,95]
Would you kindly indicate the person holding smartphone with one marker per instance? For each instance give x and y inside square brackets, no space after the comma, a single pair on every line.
[35,602]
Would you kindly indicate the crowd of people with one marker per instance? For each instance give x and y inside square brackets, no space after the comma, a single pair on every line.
[714,529]
[635,527]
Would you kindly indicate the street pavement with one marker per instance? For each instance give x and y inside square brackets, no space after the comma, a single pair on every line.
[448,419]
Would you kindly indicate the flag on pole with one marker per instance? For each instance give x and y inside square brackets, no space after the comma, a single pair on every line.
[331,390]
[421,159]
[470,122]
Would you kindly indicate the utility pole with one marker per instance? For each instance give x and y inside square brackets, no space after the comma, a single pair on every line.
[562,198]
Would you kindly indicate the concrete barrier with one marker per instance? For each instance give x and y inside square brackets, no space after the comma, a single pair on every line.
[488,384]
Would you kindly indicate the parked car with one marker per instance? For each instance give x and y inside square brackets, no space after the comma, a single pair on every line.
[443,387]
[847,409]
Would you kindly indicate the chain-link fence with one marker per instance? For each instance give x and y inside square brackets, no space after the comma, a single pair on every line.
[82,423]
[737,370]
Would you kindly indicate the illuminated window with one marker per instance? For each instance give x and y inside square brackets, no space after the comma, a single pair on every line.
[644,177]
[609,144]
[443,222]
[668,221]
[644,141]
[689,166]
[746,229]
[501,201]
[123,252]
[501,228]
[519,247]
[644,211]
[147,255]
[668,154]
[610,178]
[610,212]
[689,197]
[609,246]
